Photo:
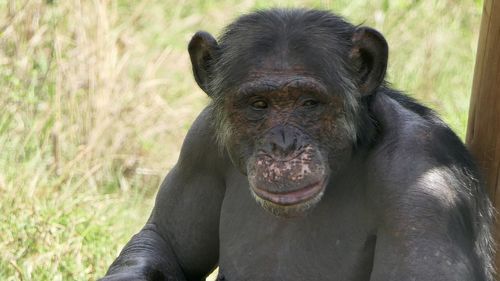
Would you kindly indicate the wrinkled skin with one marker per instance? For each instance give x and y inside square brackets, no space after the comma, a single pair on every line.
[306,166]
[281,142]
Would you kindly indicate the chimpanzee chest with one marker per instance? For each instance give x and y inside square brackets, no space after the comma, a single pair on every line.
[334,241]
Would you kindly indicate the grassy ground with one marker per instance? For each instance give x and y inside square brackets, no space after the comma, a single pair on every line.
[96,96]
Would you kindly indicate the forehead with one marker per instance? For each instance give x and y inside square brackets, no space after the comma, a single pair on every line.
[271,82]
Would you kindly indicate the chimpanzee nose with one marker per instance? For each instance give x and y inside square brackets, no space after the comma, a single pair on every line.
[282,141]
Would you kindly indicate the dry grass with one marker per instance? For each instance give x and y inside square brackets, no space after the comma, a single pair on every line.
[97,95]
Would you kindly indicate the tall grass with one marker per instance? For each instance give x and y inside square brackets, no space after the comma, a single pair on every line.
[96,96]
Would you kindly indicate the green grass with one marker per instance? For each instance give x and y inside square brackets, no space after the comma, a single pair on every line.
[96,97]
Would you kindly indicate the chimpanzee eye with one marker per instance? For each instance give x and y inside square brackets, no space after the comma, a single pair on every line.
[310,103]
[259,104]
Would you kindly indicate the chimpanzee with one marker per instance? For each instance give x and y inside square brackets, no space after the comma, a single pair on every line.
[306,165]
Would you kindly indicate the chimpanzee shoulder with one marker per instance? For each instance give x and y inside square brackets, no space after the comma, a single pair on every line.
[405,123]
[424,173]
[413,141]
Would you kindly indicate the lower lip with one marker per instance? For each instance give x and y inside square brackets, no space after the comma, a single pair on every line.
[293,197]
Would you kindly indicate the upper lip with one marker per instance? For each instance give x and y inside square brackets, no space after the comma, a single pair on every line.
[292,197]
[286,158]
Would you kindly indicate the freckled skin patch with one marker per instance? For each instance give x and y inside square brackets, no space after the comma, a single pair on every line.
[268,170]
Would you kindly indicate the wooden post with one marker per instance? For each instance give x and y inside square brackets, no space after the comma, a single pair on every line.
[483,131]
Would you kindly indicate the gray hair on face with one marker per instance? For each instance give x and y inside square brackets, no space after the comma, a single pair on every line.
[223,128]
[349,122]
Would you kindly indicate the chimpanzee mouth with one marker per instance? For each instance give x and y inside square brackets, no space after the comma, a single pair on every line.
[295,197]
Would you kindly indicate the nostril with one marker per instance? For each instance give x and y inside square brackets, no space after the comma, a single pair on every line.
[284,146]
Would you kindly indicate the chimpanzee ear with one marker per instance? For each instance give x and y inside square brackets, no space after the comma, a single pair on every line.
[202,50]
[369,54]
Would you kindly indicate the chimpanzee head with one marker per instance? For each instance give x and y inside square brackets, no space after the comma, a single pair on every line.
[289,91]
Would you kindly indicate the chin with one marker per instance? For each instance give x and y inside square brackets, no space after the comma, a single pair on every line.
[292,204]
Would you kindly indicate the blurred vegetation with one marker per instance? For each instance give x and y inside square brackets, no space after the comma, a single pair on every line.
[96,97]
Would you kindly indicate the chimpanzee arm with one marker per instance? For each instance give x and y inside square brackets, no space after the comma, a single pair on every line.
[146,257]
[426,230]
[180,240]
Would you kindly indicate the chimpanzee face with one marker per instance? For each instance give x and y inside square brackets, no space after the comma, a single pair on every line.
[288,99]
[288,134]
